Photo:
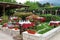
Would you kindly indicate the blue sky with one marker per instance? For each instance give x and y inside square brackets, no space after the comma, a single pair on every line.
[55,2]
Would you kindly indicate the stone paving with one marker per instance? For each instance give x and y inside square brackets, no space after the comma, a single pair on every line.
[4,36]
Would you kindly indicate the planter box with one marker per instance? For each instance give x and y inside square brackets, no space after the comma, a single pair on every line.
[27,36]
[45,36]
[11,32]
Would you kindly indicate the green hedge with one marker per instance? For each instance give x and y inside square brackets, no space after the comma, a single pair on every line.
[47,16]
[50,17]
[57,18]
[5,19]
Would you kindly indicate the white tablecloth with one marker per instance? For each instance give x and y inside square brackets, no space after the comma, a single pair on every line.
[54,21]
[13,18]
[24,22]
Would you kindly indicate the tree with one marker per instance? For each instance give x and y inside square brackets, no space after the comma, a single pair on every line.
[6,11]
[46,5]
[33,5]
[11,1]
[39,4]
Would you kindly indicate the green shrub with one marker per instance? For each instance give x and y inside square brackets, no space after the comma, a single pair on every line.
[47,16]
[23,15]
[5,19]
[43,26]
[57,18]
[50,17]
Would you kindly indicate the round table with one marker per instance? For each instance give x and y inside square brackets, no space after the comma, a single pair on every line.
[24,23]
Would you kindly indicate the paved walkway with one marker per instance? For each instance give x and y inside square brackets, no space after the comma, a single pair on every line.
[5,36]
[56,37]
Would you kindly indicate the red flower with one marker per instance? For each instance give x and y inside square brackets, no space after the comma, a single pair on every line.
[26,25]
[31,31]
[32,24]
[5,25]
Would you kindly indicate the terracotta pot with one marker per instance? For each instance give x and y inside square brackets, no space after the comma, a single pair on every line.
[31,31]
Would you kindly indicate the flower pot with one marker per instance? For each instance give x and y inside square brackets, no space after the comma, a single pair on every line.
[31,31]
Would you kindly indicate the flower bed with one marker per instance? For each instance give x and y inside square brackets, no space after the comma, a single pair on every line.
[43,28]
[45,36]
[44,32]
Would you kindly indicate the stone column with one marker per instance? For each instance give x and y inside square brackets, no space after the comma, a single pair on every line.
[56,12]
[50,11]
[42,11]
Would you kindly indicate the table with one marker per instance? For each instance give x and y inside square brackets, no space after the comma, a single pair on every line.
[25,25]
[54,23]
[0,20]
[13,18]
[41,19]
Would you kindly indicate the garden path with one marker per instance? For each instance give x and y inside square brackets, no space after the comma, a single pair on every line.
[4,36]
[56,37]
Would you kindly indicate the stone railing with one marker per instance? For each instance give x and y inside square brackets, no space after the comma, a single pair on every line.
[45,36]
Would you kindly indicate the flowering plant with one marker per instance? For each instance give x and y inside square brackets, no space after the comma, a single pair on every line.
[31,30]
